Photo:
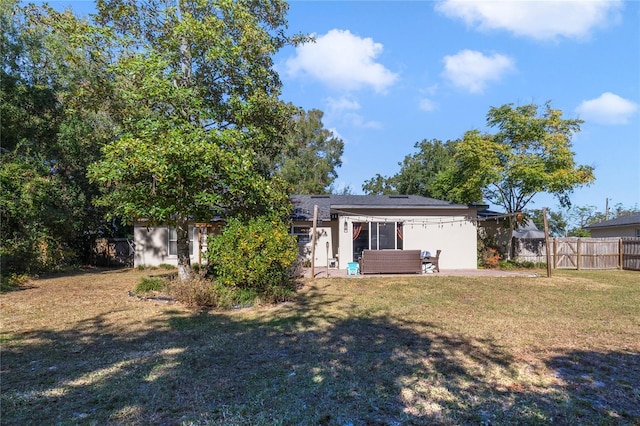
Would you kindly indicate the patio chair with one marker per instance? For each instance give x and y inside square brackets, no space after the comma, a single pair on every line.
[434,260]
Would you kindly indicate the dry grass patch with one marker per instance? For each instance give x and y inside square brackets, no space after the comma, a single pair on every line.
[77,349]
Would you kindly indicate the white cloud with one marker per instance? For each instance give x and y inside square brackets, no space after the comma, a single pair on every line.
[431,90]
[343,110]
[540,20]
[342,60]
[427,105]
[342,104]
[472,70]
[357,120]
[608,108]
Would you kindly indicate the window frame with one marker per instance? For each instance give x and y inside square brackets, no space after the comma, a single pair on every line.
[374,235]
[192,238]
[302,234]
[372,232]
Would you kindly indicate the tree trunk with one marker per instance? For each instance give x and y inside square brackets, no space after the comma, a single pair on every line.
[509,248]
[184,259]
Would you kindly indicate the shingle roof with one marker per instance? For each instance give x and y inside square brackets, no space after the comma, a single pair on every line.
[486,213]
[628,220]
[303,204]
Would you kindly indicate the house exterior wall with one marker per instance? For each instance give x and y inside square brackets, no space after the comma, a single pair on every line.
[617,231]
[324,234]
[453,232]
[152,246]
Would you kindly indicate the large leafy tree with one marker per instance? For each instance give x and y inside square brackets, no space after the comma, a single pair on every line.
[311,155]
[417,172]
[556,221]
[201,122]
[531,152]
[47,116]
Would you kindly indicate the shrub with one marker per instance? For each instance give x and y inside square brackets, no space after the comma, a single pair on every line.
[527,264]
[150,284]
[12,282]
[166,266]
[488,253]
[297,269]
[34,255]
[202,292]
[257,255]
[490,258]
[506,265]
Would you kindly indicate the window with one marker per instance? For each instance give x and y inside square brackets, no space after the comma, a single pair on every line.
[302,234]
[638,232]
[385,237]
[173,241]
[376,236]
[360,239]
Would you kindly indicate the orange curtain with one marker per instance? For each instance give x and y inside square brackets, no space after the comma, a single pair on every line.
[357,229]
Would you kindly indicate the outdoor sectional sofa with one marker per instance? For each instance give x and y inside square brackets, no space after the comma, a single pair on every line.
[390,262]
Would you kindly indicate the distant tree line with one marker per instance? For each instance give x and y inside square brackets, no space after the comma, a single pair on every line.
[570,222]
[530,152]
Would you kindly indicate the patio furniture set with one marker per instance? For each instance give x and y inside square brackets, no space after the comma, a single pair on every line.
[394,262]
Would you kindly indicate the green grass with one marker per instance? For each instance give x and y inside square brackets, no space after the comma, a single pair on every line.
[370,351]
[150,285]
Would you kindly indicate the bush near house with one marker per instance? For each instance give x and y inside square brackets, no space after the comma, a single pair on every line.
[255,257]
[488,252]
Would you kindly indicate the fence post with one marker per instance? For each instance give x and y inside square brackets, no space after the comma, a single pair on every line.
[546,241]
[578,260]
[620,254]
[555,253]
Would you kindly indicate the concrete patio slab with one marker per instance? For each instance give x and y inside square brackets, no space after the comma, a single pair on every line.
[323,272]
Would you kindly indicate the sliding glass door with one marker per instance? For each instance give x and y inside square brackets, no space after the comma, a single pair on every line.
[376,236]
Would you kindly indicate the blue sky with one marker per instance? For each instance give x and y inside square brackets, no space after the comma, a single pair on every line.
[388,74]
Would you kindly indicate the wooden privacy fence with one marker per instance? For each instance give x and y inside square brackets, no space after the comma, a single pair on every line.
[582,253]
[631,253]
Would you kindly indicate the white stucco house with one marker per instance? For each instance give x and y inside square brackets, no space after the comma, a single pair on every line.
[157,245]
[347,225]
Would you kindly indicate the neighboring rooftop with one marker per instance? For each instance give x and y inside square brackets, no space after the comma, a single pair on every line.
[628,220]
[303,204]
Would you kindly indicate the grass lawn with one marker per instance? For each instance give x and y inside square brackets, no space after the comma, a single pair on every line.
[77,349]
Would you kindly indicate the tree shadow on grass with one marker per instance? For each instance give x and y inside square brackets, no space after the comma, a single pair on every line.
[604,383]
[301,365]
